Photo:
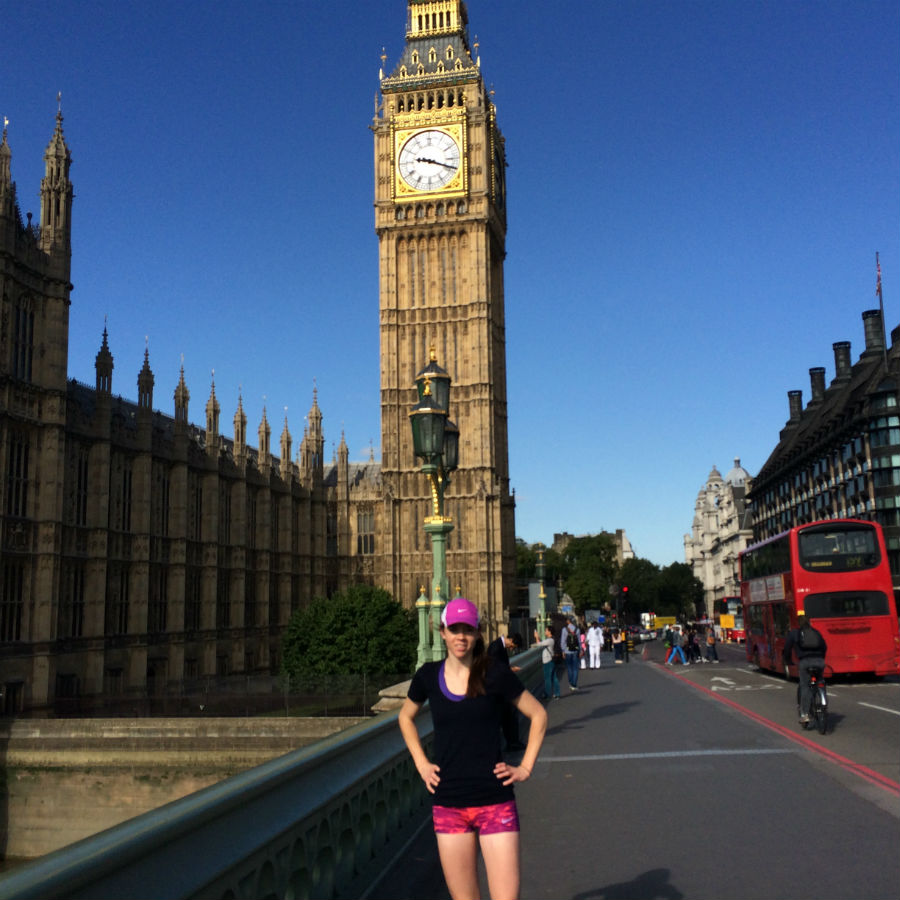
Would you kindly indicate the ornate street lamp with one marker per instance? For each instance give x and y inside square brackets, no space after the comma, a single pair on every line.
[540,571]
[436,443]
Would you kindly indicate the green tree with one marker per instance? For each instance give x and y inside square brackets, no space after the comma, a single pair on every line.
[526,559]
[642,578]
[361,629]
[680,592]
[588,568]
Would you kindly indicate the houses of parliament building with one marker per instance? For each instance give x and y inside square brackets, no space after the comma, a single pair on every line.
[140,550]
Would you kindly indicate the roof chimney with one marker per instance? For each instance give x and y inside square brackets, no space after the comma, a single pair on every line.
[795,402]
[874,331]
[841,360]
[817,383]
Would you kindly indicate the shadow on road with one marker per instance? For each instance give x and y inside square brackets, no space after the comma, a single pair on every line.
[652,885]
[599,712]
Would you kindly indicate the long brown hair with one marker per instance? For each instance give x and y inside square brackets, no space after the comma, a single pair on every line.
[480,662]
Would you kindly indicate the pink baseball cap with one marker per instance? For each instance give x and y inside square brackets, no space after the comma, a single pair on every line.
[460,611]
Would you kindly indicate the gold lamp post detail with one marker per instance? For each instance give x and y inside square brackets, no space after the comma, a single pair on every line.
[436,443]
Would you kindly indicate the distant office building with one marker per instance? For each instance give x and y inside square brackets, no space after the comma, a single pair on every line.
[840,455]
[721,529]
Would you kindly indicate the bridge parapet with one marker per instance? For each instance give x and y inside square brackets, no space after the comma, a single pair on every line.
[323,821]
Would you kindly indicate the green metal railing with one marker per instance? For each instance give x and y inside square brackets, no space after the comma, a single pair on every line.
[324,822]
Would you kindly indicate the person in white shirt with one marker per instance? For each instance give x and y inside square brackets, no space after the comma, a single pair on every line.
[595,644]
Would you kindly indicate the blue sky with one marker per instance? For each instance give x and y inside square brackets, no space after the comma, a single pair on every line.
[696,194]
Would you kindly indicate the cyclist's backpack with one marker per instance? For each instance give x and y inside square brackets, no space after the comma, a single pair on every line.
[810,639]
[572,641]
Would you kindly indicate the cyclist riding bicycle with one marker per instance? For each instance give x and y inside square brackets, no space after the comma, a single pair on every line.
[811,648]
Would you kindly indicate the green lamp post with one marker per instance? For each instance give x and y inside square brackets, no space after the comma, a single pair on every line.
[436,443]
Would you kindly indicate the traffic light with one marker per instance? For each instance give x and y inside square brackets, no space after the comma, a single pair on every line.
[625,591]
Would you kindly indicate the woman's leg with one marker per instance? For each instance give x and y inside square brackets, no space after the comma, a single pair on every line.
[501,863]
[458,853]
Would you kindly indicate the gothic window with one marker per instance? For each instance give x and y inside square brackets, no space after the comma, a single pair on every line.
[273,598]
[81,485]
[224,512]
[432,55]
[17,474]
[331,530]
[23,339]
[223,601]
[157,607]
[12,599]
[411,275]
[365,531]
[123,495]
[66,685]
[195,507]
[192,600]
[449,51]
[251,518]
[113,682]
[249,600]
[70,614]
[159,500]
[420,271]
[117,600]
[275,521]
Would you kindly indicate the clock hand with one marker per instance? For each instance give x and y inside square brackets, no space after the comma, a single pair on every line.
[434,162]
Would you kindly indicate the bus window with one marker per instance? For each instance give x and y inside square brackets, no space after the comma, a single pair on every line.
[781,613]
[839,604]
[755,616]
[845,549]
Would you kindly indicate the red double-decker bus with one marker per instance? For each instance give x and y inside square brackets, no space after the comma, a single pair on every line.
[837,573]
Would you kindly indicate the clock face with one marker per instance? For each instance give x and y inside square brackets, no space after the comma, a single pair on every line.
[429,160]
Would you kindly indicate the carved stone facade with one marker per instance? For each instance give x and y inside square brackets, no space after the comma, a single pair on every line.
[140,551]
[721,529]
[440,216]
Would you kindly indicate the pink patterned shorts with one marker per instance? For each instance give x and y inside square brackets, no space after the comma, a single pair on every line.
[494,819]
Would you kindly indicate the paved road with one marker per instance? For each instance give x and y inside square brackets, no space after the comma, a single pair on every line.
[659,782]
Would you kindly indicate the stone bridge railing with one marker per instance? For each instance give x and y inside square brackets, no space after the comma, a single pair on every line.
[323,822]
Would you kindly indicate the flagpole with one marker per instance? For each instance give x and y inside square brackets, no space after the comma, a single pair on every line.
[881,308]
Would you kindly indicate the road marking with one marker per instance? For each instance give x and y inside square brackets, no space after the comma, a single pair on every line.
[666,754]
[893,712]
[863,771]
[727,681]
[749,687]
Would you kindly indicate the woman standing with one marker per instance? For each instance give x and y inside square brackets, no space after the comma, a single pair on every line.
[472,786]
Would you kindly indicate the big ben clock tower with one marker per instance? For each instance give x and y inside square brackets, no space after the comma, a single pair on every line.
[440,216]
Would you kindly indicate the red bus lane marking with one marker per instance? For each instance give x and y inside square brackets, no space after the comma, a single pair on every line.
[864,772]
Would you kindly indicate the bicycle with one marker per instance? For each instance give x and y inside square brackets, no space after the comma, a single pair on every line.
[818,700]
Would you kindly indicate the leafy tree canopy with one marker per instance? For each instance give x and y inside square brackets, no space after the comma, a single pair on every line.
[680,592]
[361,629]
[588,567]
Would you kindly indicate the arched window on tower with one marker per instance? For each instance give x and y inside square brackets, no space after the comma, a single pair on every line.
[23,339]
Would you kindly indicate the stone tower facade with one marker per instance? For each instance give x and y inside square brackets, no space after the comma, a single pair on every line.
[440,217]
[719,532]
